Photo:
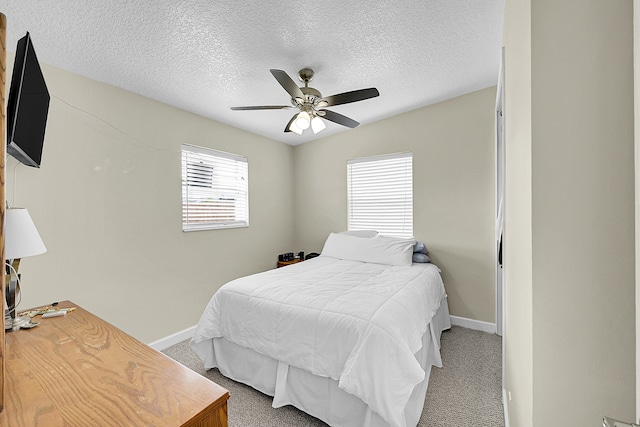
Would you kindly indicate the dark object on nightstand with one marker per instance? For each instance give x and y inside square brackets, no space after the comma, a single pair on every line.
[311,255]
[286,257]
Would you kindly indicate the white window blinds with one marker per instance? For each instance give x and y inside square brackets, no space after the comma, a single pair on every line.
[380,194]
[215,189]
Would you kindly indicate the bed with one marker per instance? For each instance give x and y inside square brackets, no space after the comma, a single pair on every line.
[348,337]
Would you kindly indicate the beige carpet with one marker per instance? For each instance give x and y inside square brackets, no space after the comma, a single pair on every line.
[466,391]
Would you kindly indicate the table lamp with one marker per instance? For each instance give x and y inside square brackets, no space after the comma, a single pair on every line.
[21,239]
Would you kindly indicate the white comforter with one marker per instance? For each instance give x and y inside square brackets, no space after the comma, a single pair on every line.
[358,323]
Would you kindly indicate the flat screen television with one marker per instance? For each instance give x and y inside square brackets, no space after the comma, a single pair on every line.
[27,106]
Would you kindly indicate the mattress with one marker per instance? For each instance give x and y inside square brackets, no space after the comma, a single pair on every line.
[369,332]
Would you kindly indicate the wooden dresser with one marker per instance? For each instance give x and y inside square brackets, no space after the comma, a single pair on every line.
[78,370]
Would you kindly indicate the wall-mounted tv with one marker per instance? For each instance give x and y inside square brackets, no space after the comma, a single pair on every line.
[27,106]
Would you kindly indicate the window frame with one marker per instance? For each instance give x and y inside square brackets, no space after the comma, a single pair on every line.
[234,168]
[361,179]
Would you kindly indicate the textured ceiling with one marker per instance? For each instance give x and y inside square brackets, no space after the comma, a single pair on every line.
[207,56]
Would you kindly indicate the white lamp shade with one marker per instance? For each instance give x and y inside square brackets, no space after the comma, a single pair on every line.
[317,124]
[21,236]
[303,120]
[294,128]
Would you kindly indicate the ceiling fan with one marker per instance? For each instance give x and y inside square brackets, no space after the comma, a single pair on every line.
[311,104]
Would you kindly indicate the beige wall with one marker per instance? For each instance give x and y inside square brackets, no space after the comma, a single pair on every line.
[454,190]
[518,287]
[570,147]
[107,202]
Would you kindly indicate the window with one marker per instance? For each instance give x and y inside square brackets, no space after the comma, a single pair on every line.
[215,189]
[380,192]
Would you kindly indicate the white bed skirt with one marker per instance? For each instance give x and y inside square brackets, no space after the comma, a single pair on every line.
[320,396]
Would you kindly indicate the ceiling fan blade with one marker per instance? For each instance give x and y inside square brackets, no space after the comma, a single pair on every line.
[287,83]
[339,119]
[353,96]
[262,107]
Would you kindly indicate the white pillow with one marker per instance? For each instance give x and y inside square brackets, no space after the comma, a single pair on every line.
[360,233]
[379,249]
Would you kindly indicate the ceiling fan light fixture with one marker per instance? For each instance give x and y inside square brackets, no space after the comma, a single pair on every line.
[311,104]
[303,120]
[294,128]
[317,124]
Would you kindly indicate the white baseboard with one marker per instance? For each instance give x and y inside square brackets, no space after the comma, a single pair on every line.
[474,324]
[167,342]
[505,405]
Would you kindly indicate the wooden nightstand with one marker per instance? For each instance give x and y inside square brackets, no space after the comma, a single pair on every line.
[285,263]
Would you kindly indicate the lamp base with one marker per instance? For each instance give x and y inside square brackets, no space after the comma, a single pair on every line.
[11,324]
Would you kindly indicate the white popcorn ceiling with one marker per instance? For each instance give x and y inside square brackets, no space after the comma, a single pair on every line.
[207,56]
